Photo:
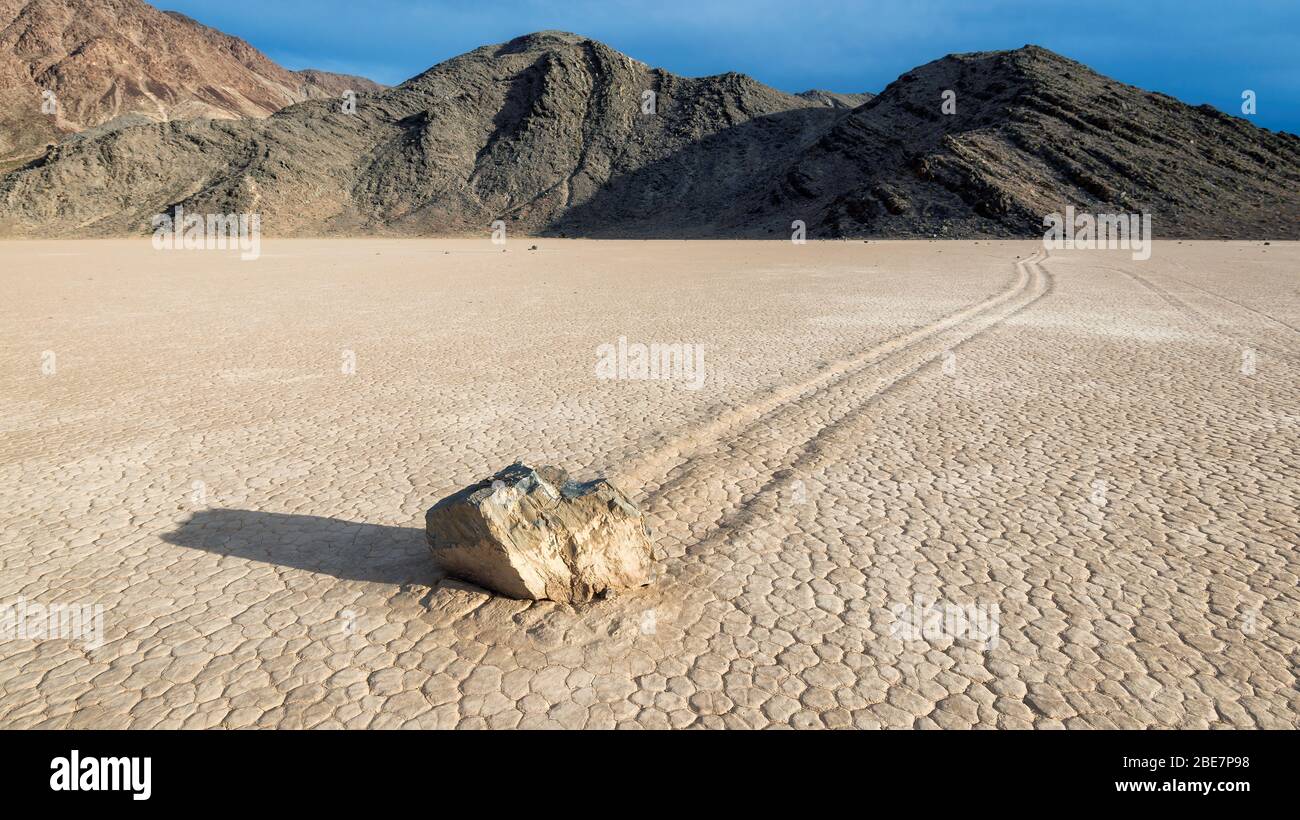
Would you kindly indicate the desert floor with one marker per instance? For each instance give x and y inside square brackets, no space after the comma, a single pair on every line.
[1097,456]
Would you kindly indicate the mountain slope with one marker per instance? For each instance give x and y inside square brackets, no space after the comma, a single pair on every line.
[520,131]
[834,99]
[1032,133]
[125,61]
[551,132]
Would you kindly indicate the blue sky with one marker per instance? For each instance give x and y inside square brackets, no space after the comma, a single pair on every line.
[1194,50]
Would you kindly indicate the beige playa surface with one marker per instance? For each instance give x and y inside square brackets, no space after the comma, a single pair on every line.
[1100,457]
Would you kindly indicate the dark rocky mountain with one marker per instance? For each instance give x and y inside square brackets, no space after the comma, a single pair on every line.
[555,134]
[120,62]
[1034,132]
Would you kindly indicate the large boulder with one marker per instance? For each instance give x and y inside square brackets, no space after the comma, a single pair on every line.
[530,532]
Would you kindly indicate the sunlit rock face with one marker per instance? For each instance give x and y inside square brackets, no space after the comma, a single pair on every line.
[530,532]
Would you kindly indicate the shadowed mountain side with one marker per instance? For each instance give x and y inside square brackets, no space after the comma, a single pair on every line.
[706,190]
[343,549]
[1031,133]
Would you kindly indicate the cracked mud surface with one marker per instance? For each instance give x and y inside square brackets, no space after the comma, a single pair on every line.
[1069,442]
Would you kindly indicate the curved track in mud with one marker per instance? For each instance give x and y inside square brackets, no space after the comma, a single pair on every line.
[749,453]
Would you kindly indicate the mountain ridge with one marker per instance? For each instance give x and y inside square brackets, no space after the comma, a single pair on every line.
[561,135]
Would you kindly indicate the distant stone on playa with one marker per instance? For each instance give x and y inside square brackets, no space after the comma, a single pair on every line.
[530,532]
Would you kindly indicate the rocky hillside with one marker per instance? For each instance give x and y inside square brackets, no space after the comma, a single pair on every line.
[1033,132]
[556,134]
[523,131]
[834,99]
[123,61]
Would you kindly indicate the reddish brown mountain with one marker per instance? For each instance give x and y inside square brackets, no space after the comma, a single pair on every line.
[123,61]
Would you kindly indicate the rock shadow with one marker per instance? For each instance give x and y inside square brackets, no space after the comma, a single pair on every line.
[349,550]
